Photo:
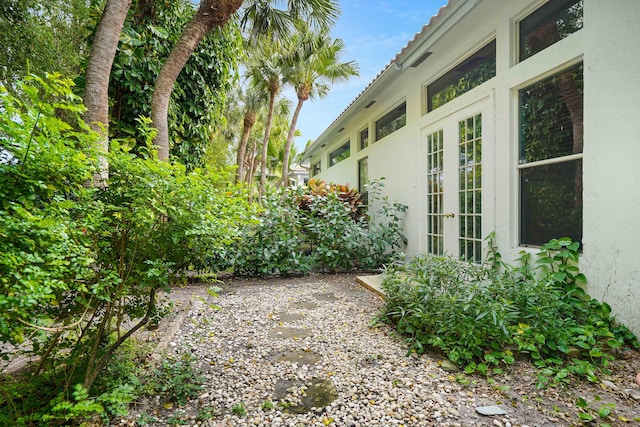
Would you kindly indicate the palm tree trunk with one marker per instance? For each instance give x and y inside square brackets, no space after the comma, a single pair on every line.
[96,91]
[249,121]
[211,13]
[265,144]
[289,144]
[248,177]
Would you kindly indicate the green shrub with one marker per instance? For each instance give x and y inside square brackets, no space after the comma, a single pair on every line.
[274,243]
[80,266]
[482,316]
[303,230]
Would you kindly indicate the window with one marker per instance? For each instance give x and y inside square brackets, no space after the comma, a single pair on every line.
[472,72]
[392,121]
[339,154]
[363,139]
[363,179]
[551,114]
[552,22]
[315,168]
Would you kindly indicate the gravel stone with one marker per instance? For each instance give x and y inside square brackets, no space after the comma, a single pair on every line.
[249,356]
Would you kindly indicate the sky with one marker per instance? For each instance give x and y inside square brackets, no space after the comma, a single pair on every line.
[373,31]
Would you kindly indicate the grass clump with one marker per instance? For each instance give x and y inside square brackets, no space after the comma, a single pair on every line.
[484,316]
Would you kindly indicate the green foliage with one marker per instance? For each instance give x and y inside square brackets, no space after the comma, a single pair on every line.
[300,230]
[149,34]
[176,379]
[44,251]
[38,37]
[80,267]
[272,244]
[485,316]
[239,409]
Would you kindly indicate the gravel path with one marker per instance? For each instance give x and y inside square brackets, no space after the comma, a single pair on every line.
[308,345]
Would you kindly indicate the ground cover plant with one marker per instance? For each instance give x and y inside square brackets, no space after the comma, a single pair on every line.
[485,316]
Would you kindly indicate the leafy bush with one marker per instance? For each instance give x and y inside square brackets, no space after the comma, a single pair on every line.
[80,267]
[273,244]
[319,228]
[482,316]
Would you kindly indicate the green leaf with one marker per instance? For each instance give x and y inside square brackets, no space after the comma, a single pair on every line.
[586,417]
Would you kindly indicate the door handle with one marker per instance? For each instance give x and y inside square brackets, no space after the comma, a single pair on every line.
[449,215]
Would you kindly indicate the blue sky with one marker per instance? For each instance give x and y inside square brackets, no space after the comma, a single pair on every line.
[374,31]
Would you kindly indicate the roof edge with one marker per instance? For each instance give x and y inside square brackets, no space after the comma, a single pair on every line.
[395,64]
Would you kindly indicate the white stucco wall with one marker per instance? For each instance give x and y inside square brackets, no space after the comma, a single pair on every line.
[612,156]
[608,45]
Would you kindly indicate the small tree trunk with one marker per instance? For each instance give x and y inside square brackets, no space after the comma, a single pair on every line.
[289,144]
[211,13]
[249,121]
[265,142]
[96,91]
[248,177]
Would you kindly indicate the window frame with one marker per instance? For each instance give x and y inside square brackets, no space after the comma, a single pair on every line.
[389,117]
[523,165]
[364,192]
[454,75]
[340,150]
[543,12]
[317,164]
[362,146]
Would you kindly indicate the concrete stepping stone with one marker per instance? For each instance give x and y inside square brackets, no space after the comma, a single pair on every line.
[294,333]
[297,356]
[305,305]
[318,393]
[285,317]
[325,296]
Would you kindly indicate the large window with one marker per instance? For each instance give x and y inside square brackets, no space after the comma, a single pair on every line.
[475,70]
[363,179]
[363,139]
[340,153]
[552,22]
[392,121]
[551,115]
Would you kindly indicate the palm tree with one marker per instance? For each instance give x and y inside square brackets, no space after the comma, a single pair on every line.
[266,73]
[253,101]
[210,14]
[96,90]
[313,65]
[279,126]
[213,13]
[260,17]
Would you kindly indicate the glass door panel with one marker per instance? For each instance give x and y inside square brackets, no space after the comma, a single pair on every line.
[454,187]
[435,193]
[470,188]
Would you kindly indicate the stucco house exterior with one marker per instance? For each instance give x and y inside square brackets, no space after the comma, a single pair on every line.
[520,117]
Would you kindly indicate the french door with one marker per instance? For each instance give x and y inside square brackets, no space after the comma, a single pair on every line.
[454,185]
